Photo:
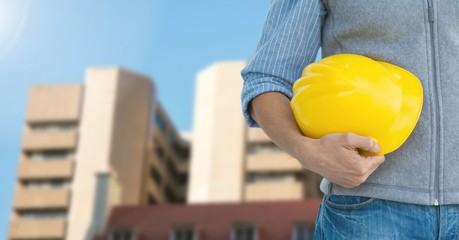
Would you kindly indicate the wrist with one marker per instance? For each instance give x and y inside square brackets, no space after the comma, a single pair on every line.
[305,150]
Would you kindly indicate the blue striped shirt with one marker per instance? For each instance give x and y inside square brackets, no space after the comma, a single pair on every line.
[290,41]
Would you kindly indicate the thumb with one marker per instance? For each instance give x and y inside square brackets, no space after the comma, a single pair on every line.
[360,142]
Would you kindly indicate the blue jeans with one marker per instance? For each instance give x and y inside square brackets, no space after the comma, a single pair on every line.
[349,217]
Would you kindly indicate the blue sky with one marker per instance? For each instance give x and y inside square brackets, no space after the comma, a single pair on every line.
[51,41]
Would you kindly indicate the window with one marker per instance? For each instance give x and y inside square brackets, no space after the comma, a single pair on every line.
[171,169]
[43,214]
[152,200]
[171,197]
[183,233]
[161,122]
[182,178]
[155,176]
[273,177]
[182,151]
[171,137]
[51,155]
[122,234]
[303,231]
[160,153]
[244,232]
[47,184]
[54,127]
[262,147]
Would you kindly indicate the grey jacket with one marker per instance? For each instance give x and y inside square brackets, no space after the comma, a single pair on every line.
[422,37]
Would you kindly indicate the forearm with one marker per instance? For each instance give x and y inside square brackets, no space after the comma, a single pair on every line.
[273,113]
[334,156]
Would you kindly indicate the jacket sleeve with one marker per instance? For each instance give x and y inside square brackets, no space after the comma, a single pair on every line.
[290,41]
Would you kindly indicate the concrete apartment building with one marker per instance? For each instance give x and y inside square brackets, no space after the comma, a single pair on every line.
[93,150]
[241,186]
[231,162]
[88,147]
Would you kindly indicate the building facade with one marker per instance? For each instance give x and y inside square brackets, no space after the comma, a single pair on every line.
[279,220]
[88,147]
[231,162]
[241,187]
[107,148]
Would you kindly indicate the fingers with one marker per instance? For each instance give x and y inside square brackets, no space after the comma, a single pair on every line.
[355,141]
[372,164]
[342,166]
[365,170]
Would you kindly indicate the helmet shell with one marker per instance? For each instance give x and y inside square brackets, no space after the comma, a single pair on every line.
[352,93]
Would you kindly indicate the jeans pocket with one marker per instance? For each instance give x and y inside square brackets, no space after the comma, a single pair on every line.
[345,202]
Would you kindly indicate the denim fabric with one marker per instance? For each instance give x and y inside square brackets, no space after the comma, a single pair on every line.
[353,217]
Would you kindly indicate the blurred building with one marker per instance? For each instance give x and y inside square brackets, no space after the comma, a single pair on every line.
[241,186]
[89,147]
[231,162]
[107,148]
[279,220]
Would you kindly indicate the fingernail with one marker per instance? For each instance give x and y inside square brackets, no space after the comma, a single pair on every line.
[377,148]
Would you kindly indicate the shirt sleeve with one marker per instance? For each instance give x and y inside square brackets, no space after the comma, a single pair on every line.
[290,41]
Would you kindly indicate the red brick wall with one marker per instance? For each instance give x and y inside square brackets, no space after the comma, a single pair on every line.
[275,220]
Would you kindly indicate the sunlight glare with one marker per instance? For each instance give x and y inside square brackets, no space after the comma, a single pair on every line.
[3,17]
[13,16]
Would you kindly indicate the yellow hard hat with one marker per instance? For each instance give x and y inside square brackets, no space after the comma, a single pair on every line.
[352,93]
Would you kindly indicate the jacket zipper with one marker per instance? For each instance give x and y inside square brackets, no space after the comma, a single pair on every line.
[437,105]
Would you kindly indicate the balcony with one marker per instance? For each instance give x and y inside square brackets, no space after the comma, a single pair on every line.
[272,161]
[54,103]
[45,169]
[267,191]
[49,140]
[181,166]
[155,191]
[37,229]
[41,199]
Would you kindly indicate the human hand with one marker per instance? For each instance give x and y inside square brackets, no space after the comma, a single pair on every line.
[336,157]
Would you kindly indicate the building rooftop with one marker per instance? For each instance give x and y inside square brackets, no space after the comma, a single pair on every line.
[272,220]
